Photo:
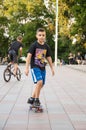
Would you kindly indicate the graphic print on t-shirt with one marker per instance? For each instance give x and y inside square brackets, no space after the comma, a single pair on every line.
[40,57]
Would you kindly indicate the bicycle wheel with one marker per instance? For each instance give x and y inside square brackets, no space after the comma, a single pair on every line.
[18,74]
[7,75]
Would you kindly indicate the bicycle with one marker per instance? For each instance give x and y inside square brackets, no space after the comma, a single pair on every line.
[8,72]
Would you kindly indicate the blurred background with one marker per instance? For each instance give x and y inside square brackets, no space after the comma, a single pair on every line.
[23,17]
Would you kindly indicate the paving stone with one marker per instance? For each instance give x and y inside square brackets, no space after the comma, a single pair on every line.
[63,98]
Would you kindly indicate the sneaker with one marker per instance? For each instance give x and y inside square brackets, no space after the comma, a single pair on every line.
[36,102]
[30,100]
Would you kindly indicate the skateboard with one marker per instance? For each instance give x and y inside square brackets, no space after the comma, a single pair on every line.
[36,108]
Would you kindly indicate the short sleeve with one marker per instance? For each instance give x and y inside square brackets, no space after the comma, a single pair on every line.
[32,49]
[48,51]
[21,45]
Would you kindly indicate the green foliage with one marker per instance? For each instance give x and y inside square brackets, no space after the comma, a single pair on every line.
[78,28]
[24,17]
[64,48]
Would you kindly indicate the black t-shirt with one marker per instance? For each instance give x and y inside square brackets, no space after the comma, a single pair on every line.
[39,53]
[15,46]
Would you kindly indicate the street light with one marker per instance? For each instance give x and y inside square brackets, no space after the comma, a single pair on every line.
[56,35]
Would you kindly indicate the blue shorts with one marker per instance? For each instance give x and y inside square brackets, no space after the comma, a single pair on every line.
[38,74]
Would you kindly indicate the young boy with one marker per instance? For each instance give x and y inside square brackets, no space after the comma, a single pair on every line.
[15,48]
[38,52]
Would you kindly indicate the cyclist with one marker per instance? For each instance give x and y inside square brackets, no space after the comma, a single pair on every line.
[14,48]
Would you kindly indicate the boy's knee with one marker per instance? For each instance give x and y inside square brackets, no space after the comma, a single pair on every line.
[40,82]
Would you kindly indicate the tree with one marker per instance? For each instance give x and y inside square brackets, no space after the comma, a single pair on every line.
[25,16]
[3,36]
[77,13]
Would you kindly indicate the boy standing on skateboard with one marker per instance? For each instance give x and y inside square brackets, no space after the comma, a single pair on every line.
[37,55]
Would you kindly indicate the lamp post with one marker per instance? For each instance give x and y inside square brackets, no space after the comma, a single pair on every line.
[56,34]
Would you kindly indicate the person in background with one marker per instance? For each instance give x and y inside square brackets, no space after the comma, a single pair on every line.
[15,49]
[79,58]
[71,59]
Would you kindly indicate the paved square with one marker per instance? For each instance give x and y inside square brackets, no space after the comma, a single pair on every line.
[63,98]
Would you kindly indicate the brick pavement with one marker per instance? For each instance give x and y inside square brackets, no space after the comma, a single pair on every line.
[81,68]
[63,99]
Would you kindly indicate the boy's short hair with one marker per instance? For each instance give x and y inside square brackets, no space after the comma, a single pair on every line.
[19,37]
[40,30]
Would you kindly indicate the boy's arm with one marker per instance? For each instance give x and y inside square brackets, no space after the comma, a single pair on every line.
[28,59]
[49,59]
[20,51]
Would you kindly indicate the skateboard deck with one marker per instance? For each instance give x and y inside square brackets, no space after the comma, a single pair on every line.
[36,108]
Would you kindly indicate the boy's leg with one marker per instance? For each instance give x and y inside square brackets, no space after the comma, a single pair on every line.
[15,59]
[38,86]
[39,79]
[10,56]
[15,68]
[35,95]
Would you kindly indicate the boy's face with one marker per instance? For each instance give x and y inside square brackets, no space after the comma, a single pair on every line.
[41,36]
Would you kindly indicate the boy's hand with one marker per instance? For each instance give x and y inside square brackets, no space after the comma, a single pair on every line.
[26,72]
[53,73]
